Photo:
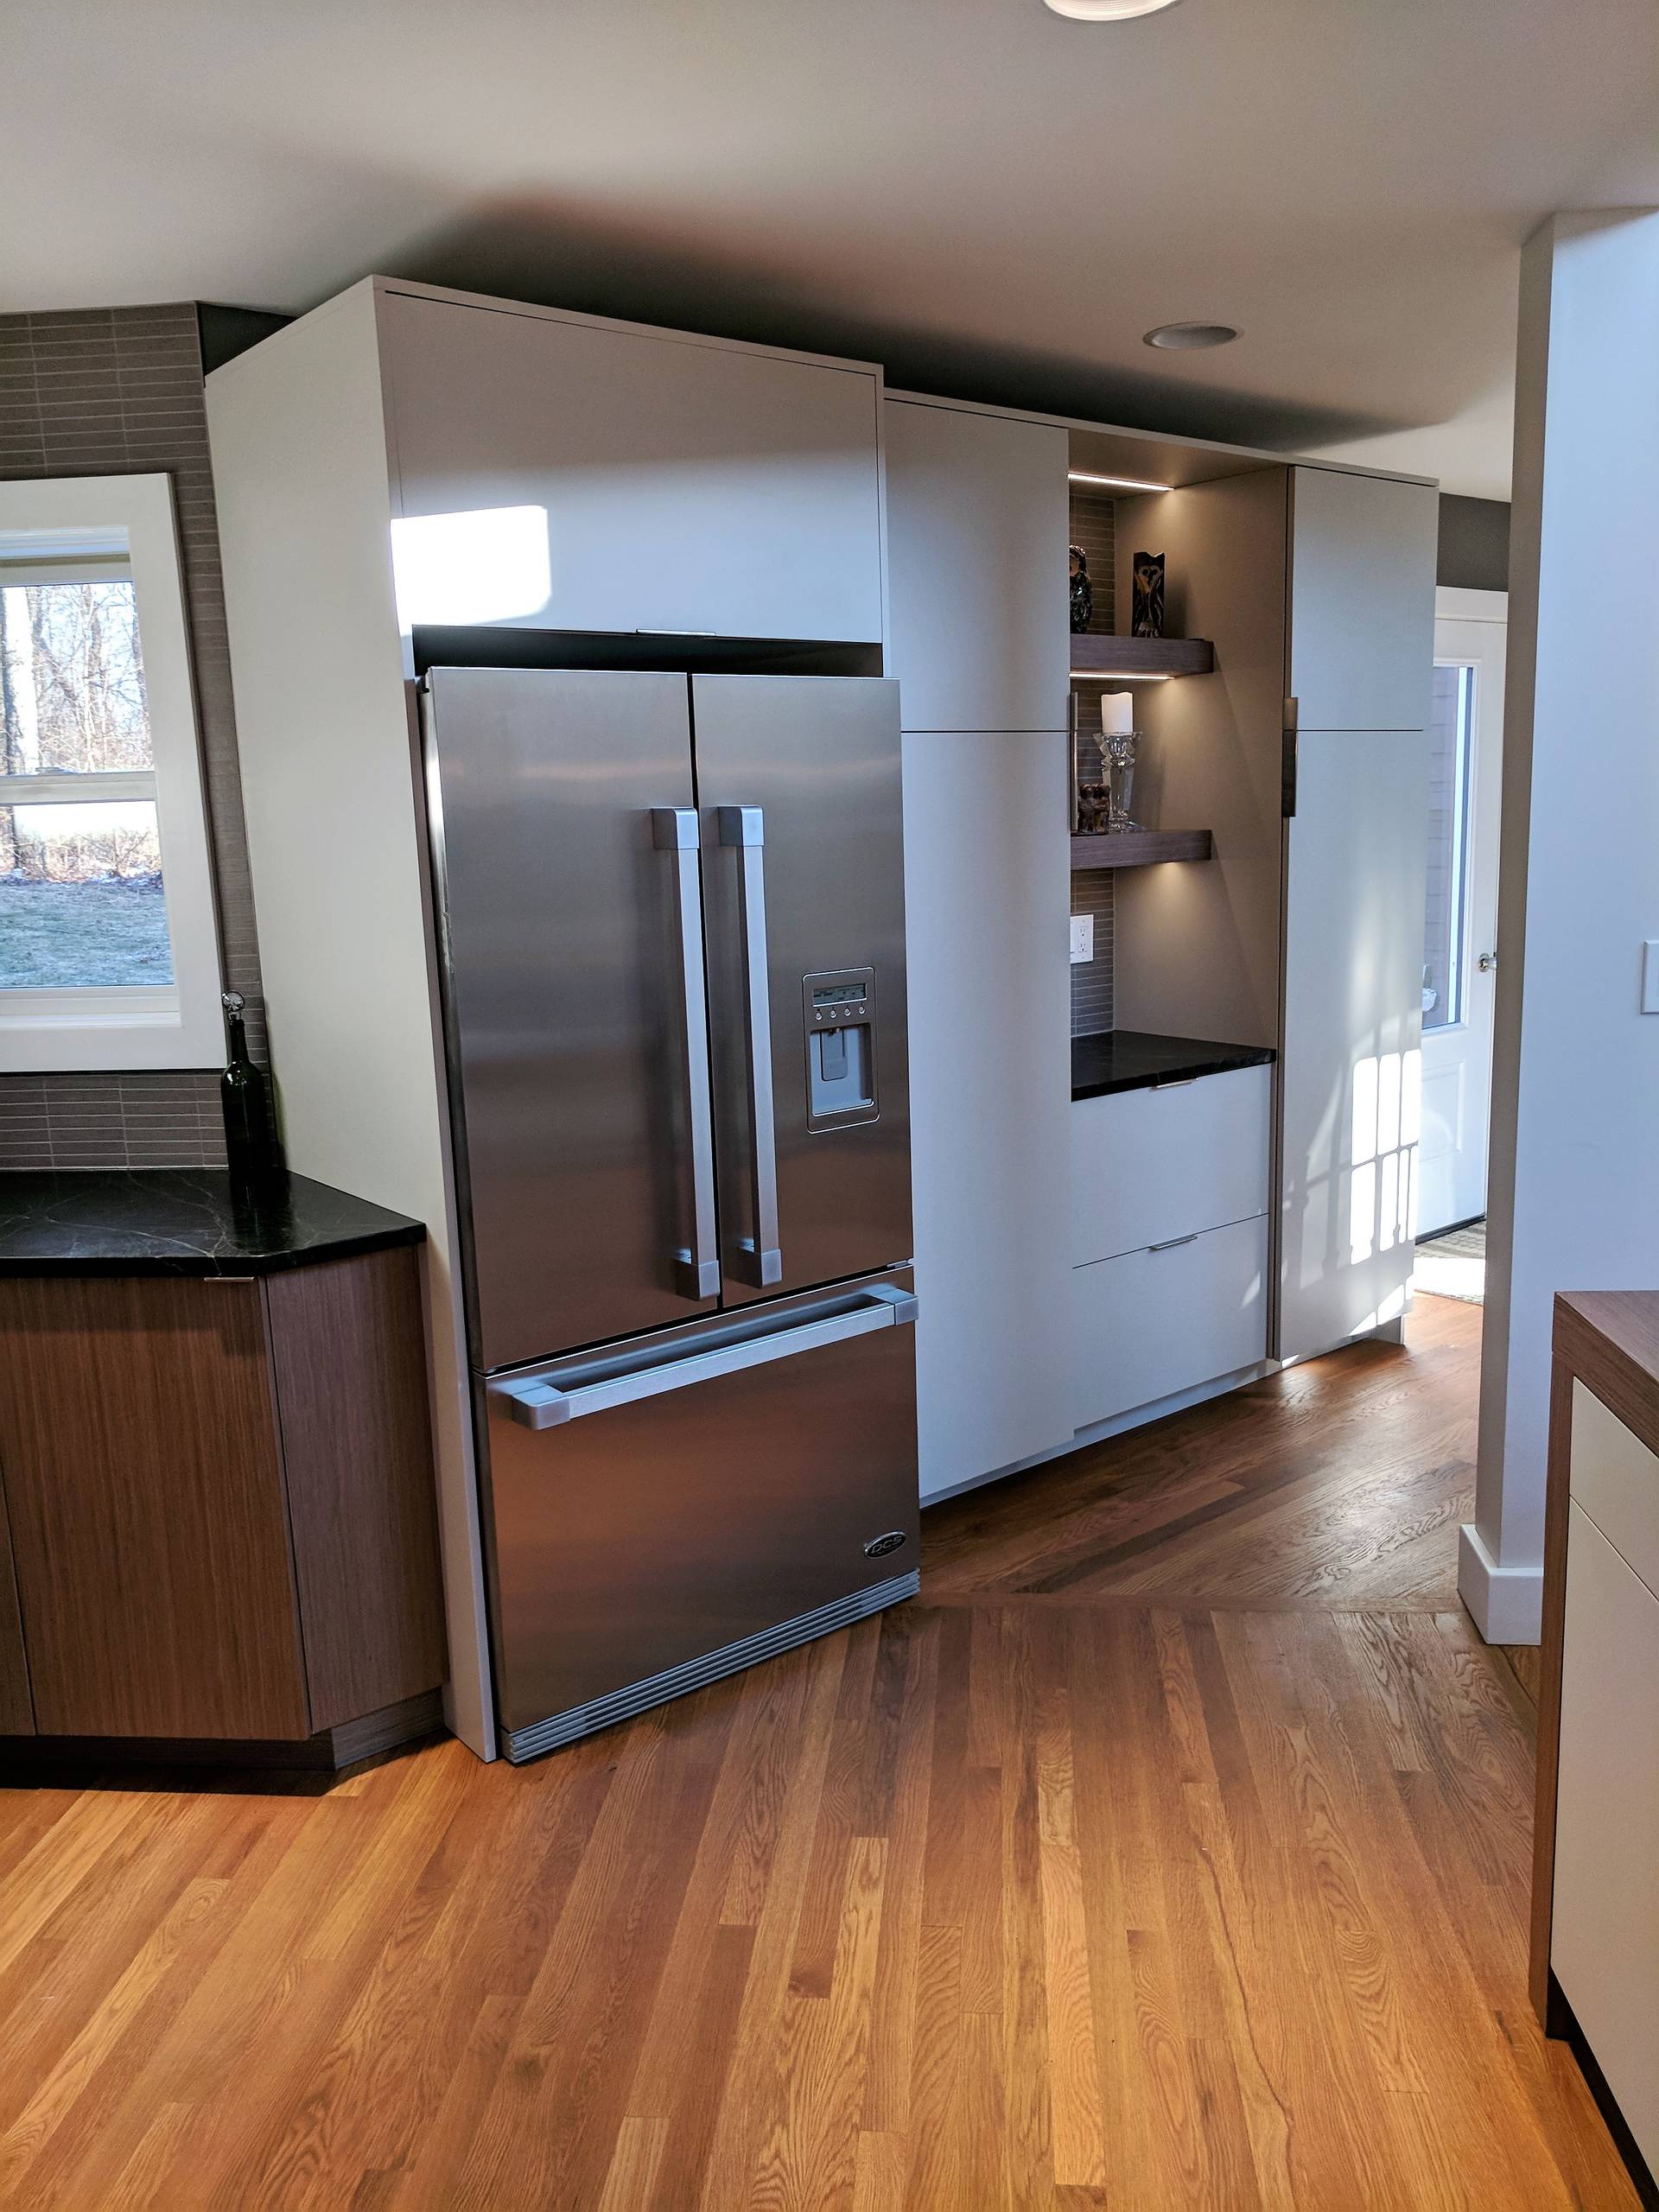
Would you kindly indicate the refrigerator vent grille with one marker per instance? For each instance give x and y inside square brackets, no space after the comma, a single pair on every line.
[639,1697]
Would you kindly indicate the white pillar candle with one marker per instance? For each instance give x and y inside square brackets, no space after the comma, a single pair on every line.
[1117,713]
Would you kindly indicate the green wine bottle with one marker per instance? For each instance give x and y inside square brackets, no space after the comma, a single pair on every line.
[250,1146]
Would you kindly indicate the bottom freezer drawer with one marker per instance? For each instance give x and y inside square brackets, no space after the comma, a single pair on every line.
[1151,1322]
[666,1523]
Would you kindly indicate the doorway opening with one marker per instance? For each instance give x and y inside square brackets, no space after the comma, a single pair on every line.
[1460,910]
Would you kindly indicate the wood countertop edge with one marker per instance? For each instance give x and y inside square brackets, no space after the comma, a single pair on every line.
[1609,1340]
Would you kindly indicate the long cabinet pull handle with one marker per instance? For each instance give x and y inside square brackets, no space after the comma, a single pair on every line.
[744,829]
[1170,1242]
[697,1265]
[537,1401]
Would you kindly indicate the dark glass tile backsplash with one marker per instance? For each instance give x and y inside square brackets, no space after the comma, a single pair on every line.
[1091,980]
[1094,519]
[1093,527]
[103,393]
[137,1119]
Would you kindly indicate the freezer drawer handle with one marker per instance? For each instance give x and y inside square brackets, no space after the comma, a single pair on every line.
[535,1402]
[744,829]
[697,1267]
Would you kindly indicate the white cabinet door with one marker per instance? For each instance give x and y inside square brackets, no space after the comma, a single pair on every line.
[1362,600]
[1149,1165]
[1350,1055]
[986,896]
[674,483]
[1604,1934]
[1615,1480]
[976,542]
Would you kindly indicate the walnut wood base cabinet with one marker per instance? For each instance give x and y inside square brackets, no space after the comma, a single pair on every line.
[217,1522]
[1595,1904]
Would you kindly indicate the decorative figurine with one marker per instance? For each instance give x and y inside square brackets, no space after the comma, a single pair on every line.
[1083,592]
[1093,810]
[1147,604]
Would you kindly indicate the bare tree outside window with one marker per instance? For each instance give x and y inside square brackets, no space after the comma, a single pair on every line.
[80,880]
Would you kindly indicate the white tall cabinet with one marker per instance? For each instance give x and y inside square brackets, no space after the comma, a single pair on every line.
[404,454]
[976,512]
[1360,658]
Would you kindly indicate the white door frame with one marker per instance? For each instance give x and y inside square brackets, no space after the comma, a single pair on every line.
[1470,627]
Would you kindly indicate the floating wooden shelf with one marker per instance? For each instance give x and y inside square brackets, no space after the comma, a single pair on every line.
[1131,657]
[1139,848]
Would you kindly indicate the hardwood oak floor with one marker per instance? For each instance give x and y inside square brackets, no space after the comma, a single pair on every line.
[1172,1850]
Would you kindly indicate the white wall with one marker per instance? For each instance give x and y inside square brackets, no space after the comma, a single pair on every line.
[1575,1188]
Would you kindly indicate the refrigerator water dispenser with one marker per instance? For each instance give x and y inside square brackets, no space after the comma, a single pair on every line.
[838,1010]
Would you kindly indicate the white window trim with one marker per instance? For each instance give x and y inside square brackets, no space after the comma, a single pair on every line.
[178,1026]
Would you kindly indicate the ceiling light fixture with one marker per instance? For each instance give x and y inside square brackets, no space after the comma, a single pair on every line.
[1190,337]
[1107,11]
[1118,483]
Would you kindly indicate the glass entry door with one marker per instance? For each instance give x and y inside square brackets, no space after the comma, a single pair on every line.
[1460,916]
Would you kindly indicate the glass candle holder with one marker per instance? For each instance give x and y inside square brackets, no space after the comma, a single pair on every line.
[1119,749]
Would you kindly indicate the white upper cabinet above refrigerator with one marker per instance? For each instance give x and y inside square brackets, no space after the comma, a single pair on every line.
[603,476]
[976,534]
[1362,600]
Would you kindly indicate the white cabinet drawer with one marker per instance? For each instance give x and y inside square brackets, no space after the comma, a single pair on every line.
[1605,1933]
[1150,1323]
[1615,1482]
[1150,1164]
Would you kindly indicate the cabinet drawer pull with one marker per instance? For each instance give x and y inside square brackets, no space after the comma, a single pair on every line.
[1170,1242]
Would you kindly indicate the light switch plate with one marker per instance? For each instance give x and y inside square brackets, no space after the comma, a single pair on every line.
[1650,973]
[1082,938]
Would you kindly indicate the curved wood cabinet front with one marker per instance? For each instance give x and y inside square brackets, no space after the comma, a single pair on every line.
[146,1505]
[16,1707]
[219,1490]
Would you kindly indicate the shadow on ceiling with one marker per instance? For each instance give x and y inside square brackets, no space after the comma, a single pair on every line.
[551,255]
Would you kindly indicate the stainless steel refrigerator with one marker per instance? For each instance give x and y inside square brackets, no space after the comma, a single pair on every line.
[669,916]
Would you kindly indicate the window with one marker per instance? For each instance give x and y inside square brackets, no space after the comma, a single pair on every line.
[1451,723]
[108,955]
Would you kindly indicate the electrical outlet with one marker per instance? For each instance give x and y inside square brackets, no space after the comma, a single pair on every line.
[1082,938]
[1649,971]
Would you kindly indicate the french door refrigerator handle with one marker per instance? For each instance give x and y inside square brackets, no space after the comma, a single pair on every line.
[744,829]
[696,1269]
[535,1402]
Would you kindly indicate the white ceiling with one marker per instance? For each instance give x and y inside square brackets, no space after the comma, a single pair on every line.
[989,199]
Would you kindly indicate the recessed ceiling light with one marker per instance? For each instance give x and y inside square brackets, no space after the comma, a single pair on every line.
[1118,483]
[1107,11]
[1190,337]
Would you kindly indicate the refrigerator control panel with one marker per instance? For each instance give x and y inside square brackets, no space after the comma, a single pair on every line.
[838,1012]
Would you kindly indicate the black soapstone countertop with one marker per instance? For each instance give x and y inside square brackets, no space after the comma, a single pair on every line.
[182,1220]
[1139,1059]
